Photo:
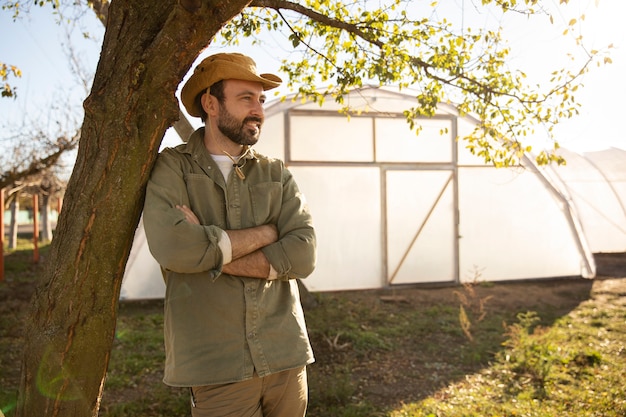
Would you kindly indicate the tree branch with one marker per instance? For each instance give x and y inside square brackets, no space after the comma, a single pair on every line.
[316,16]
[38,165]
[479,89]
[278,5]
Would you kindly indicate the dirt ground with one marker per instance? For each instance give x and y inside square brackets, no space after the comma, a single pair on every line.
[410,371]
[386,378]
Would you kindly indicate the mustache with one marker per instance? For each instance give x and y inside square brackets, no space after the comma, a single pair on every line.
[252,119]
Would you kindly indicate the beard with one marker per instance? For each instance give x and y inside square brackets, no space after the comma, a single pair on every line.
[237,131]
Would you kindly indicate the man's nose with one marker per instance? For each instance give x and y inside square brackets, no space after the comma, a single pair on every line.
[257,109]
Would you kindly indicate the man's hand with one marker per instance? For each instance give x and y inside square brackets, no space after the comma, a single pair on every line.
[190,216]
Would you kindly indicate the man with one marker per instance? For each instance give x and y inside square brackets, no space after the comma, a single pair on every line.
[232,234]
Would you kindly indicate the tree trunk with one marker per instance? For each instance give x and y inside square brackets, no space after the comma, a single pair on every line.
[148,48]
[15,210]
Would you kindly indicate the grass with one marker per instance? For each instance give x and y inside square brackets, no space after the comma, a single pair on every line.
[573,368]
[19,261]
[133,386]
[20,272]
[404,353]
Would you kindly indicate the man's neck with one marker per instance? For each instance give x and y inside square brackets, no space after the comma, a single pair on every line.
[218,144]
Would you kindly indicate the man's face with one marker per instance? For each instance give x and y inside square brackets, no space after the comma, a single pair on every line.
[241,115]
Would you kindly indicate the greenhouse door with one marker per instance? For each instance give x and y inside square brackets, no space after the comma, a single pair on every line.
[421,227]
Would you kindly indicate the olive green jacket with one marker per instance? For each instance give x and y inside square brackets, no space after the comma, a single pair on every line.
[221,328]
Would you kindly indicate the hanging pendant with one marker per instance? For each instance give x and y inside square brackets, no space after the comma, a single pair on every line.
[236,165]
[239,173]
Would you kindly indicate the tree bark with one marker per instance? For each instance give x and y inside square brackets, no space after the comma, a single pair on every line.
[148,47]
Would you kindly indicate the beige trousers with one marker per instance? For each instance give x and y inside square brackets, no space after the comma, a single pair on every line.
[284,394]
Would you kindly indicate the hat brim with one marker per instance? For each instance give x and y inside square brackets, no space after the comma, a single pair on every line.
[224,70]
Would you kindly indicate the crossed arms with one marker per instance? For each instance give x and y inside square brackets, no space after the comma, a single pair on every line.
[247,258]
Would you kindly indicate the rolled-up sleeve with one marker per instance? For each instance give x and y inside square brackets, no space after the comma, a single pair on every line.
[294,254]
[176,244]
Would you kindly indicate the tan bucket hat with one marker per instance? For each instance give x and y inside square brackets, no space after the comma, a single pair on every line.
[223,66]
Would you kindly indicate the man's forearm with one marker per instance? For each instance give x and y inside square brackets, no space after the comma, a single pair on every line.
[253,265]
[246,241]
[246,258]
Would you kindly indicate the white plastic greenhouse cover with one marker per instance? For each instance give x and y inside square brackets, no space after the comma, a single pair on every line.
[596,183]
[393,208]
[143,278]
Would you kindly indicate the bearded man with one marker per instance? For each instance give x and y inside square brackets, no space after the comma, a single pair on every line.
[232,234]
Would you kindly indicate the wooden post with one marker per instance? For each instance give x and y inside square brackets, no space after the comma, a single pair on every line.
[59,207]
[1,234]
[36,228]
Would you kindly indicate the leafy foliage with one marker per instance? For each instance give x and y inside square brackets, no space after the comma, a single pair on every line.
[346,45]
[342,46]
[23,7]
[7,71]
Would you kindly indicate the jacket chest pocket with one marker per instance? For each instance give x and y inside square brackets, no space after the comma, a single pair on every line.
[206,199]
[266,200]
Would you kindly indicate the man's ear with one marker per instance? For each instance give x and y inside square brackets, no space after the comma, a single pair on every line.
[210,104]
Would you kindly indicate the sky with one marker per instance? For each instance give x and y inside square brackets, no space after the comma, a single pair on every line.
[35,42]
